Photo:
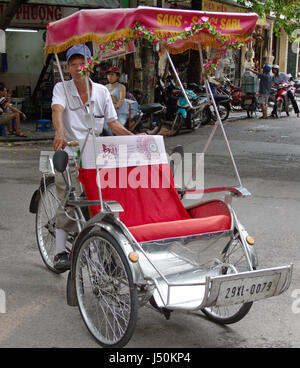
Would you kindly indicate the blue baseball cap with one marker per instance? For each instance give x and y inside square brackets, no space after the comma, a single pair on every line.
[78,50]
[267,68]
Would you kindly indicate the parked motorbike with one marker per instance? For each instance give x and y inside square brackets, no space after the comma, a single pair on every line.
[167,94]
[234,92]
[250,104]
[283,102]
[189,118]
[222,102]
[146,118]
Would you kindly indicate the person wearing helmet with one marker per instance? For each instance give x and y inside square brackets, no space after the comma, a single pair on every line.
[117,91]
[265,84]
[279,77]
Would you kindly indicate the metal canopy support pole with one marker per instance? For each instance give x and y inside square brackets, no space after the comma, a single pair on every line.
[219,120]
[178,79]
[90,105]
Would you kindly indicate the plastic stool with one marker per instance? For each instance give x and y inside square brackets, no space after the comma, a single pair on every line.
[2,130]
[44,125]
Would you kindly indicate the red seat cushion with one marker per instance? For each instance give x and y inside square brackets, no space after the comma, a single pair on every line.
[174,229]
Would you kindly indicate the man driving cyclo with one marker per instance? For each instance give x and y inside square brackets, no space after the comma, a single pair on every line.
[71,125]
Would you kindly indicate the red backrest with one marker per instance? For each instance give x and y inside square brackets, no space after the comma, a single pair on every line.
[142,205]
[146,191]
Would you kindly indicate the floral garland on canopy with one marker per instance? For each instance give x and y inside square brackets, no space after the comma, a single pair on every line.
[202,25]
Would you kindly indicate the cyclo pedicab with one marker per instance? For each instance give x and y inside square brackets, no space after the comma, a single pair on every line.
[139,243]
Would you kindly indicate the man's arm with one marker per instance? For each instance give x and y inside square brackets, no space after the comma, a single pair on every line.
[118,129]
[253,71]
[60,141]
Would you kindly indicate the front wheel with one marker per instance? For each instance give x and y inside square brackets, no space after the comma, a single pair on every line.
[279,108]
[150,125]
[206,115]
[233,254]
[107,297]
[177,124]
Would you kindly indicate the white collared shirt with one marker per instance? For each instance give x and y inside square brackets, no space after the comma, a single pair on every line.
[76,122]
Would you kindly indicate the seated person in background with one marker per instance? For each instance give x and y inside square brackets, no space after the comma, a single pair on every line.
[117,91]
[9,112]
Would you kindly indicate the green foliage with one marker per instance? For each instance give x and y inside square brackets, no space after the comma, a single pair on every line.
[285,12]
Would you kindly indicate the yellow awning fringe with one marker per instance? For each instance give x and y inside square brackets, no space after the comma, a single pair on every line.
[205,39]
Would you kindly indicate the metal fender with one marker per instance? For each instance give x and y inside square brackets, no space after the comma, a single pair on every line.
[108,225]
[250,249]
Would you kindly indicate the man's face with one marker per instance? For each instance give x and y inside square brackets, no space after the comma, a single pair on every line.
[74,67]
[275,71]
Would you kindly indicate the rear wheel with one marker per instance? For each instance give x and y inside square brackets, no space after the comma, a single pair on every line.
[45,222]
[251,111]
[107,297]
[224,111]
[233,254]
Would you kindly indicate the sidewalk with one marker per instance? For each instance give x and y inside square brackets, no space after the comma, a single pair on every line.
[28,127]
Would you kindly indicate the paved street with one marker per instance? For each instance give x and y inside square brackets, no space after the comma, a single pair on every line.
[267,154]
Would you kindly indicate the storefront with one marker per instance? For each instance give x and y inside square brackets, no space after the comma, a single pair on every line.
[24,59]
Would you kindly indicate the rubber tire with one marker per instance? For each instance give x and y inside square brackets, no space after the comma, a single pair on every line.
[251,110]
[133,289]
[240,314]
[206,115]
[49,183]
[177,125]
[279,105]
[225,109]
[153,129]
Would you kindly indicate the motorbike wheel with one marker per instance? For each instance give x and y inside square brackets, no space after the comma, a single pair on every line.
[206,115]
[286,107]
[177,125]
[279,109]
[233,254]
[45,222]
[251,110]
[224,111]
[147,125]
[107,297]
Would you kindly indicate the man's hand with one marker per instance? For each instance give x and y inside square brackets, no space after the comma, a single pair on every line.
[59,142]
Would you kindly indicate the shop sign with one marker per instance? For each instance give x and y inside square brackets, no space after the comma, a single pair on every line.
[36,15]
[82,3]
[226,8]
[221,7]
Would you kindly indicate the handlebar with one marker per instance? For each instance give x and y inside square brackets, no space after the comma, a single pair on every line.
[73,144]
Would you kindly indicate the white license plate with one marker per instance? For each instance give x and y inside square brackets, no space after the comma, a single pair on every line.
[248,102]
[247,290]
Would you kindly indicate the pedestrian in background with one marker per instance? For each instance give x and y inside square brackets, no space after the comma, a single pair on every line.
[265,84]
